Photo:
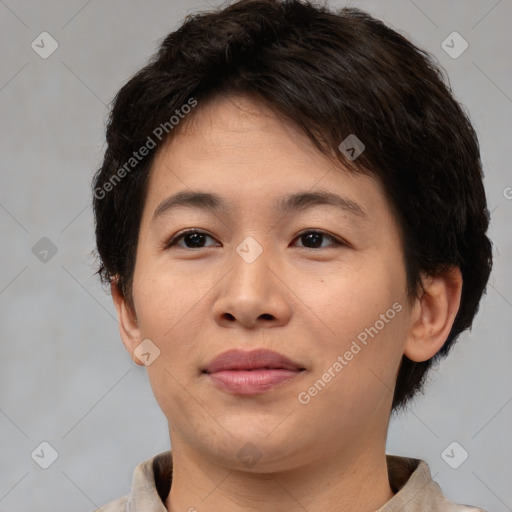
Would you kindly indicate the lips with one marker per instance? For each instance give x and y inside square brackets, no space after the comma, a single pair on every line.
[255,359]
[252,372]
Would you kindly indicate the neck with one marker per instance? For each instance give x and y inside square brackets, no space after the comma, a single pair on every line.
[340,481]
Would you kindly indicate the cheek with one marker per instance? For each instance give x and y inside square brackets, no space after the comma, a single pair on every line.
[364,321]
[165,298]
[355,373]
[170,314]
[347,303]
[184,409]
[165,315]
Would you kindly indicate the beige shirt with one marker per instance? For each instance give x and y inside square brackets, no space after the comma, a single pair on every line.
[410,479]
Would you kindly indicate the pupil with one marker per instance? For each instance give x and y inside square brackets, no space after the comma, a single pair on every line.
[195,239]
[314,239]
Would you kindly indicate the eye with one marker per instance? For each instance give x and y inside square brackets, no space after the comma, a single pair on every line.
[192,239]
[314,239]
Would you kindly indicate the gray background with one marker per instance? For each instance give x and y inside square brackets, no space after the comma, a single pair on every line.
[65,377]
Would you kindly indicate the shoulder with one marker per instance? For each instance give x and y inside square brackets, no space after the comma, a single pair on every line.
[416,490]
[151,483]
[435,497]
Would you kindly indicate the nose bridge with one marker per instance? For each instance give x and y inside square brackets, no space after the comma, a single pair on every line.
[249,251]
[250,293]
[250,275]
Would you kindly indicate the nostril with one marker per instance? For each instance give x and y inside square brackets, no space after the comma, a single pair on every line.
[229,316]
[266,316]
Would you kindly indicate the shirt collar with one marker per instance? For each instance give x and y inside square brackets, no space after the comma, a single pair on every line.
[409,478]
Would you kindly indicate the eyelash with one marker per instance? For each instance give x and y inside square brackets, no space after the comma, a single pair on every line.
[179,236]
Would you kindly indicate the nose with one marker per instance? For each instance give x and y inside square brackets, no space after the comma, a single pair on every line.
[251,295]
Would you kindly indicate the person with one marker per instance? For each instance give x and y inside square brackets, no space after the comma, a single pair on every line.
[291,218]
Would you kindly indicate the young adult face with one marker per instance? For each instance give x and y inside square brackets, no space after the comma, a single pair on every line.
[254,276]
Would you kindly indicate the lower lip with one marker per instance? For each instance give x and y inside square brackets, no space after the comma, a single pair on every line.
[251,382]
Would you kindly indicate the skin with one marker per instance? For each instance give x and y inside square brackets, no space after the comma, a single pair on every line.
[306,301]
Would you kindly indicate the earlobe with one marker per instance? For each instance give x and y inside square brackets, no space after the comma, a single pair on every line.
[433,314]
[128,328]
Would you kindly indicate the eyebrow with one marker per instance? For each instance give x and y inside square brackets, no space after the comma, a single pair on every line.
[285,204]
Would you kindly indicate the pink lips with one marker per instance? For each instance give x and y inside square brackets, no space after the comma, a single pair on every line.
[249,373]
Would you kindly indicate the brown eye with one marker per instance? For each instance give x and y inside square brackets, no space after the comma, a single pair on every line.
[315,239]
[192,239]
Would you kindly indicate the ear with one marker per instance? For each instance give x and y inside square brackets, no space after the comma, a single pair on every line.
[433,314]
[128,328]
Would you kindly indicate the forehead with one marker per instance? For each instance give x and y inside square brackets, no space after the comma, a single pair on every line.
[231,125]
[240,149]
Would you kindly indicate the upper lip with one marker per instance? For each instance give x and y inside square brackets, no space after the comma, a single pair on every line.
[250,360]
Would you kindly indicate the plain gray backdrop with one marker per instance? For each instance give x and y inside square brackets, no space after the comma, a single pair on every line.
[65,378]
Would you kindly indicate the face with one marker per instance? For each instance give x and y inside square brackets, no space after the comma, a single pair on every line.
[288,253]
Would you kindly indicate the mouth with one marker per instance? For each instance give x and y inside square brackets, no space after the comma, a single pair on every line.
[249,373]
